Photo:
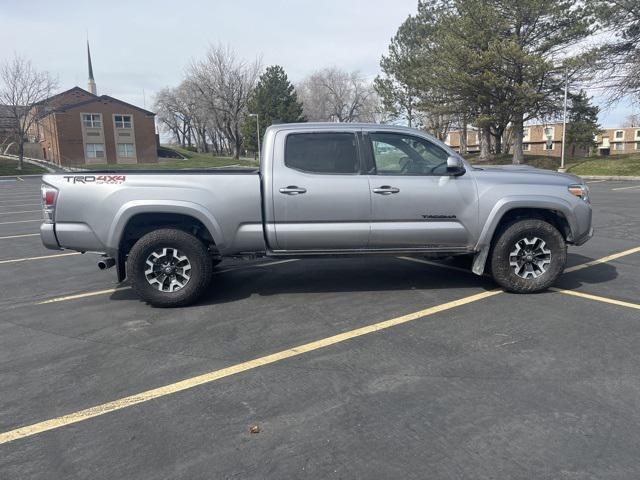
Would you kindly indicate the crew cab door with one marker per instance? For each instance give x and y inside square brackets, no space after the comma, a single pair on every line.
[415,203]
[321,201]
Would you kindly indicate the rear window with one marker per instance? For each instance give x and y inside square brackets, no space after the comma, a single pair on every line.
[322,152]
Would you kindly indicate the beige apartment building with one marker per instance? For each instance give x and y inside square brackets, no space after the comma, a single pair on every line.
[618,141]
[546,139]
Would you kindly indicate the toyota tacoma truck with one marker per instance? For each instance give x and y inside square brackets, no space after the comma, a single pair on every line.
[322,190]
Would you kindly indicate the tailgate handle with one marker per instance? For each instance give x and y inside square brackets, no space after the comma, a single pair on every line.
[293,190]
[386,190]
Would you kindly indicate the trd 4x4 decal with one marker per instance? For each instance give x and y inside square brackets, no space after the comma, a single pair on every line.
[98,179]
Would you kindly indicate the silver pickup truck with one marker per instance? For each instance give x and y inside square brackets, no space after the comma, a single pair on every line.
[321,190]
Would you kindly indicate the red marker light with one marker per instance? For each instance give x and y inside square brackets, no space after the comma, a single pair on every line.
[49,197]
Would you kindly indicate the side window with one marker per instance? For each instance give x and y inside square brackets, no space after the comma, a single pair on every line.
[399,154]
[322,152]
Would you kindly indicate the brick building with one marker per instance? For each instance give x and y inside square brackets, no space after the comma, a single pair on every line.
[78,127]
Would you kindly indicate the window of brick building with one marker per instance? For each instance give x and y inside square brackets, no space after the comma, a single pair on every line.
[95,150]
[619,134]
[122,121]
[618,146]
[92,120]
[526,147]
[126,150]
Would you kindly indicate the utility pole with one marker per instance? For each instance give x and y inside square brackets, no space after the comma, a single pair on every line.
[257,131]
[564,119]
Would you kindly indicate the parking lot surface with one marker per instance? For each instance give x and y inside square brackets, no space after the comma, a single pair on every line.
[346,368]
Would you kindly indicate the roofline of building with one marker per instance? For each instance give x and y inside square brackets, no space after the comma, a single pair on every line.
[48,99]
[103,97]
[94,98]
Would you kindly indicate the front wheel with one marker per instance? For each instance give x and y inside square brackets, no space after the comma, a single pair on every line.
[528,256]
[169,268]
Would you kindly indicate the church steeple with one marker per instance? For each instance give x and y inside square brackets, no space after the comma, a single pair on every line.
[92,83]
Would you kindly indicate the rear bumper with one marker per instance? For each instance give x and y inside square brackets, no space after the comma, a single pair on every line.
[70,236]
[48,236]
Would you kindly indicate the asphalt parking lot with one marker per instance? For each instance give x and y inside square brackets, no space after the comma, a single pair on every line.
[357,368]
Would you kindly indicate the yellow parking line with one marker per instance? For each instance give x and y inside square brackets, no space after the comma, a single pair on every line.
[79,416]
[20,236]
[597,298]
[83,295]
[118,289]
[626,188]
[606,259]
[43,257]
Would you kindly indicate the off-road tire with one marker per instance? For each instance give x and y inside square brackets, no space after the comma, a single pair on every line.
[504,244]
[198,257]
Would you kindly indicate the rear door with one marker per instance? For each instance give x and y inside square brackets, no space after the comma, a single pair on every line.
[415,204]
[321,200]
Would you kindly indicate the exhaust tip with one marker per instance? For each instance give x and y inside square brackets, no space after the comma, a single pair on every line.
[106,263]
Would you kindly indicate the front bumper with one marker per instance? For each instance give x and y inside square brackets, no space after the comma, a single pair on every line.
[48,236]
[584,238]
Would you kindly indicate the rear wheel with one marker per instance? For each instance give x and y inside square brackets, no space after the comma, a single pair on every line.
[528,256]
[169,268]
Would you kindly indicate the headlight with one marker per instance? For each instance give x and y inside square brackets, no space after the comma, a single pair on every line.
[581,191]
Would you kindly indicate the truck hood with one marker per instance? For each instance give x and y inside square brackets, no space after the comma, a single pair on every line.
[527,170]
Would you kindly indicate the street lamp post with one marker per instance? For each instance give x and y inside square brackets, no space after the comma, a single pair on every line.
[564,120]
[257,130]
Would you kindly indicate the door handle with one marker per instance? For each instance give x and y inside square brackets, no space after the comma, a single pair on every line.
[386,190]
[293,190]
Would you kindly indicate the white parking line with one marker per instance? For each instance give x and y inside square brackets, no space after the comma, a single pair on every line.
[20,236]
[43,257]
[21,211]
[626,188]
[21,205]
[21,221]
[597,181]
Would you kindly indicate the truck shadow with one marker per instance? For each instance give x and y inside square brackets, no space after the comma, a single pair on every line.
[318,276]
[372,274]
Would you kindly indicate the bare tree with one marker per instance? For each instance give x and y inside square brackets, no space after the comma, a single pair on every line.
[173,113]
[224,83]
[332,94]
[631,121]
[24,90]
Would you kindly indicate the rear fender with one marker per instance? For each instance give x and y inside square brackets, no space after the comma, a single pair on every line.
[129,209]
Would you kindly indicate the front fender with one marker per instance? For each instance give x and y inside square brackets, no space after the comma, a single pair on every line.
[135,207]
[506,204]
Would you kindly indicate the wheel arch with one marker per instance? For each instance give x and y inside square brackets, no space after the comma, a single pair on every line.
[555,211]
[134,221]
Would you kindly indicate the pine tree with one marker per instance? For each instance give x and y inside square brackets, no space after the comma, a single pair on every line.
[275,101]
[582,124]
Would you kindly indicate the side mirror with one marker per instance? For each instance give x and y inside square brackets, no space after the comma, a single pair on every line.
[455,166]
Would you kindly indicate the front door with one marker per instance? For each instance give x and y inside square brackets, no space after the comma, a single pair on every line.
[415,204]
[321,201]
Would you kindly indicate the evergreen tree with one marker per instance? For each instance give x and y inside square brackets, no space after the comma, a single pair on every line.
[275,101]
[582,123]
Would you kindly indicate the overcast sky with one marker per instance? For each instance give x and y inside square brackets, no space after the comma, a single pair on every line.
[145,45]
